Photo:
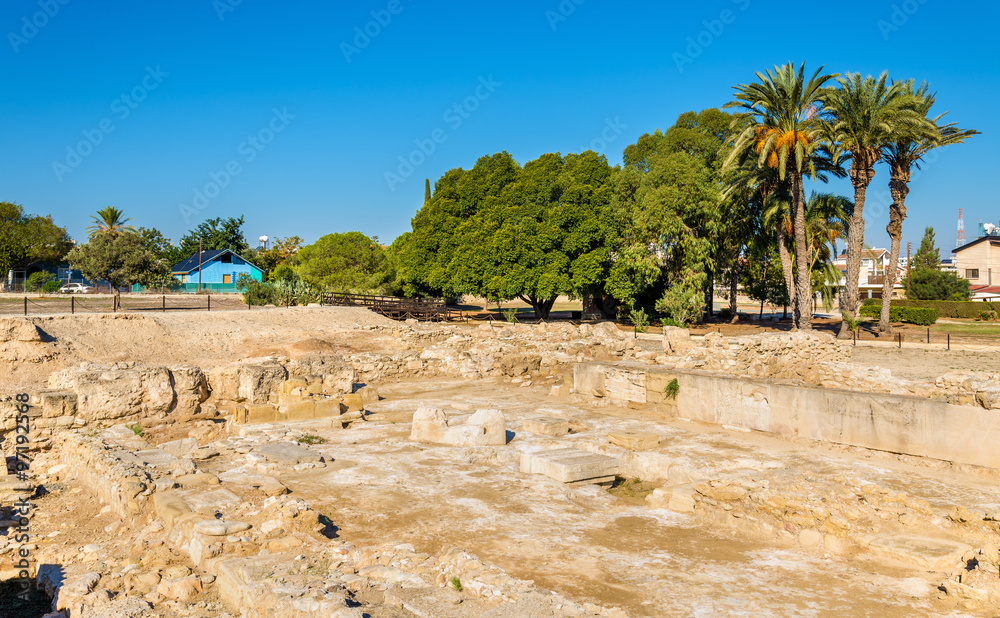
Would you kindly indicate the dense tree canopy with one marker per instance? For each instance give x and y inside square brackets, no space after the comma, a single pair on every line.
[350,262]
[502,231]
[216,233]
[26,239]
[121,258]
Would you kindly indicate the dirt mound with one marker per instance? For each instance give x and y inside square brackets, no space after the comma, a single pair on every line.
[18,329]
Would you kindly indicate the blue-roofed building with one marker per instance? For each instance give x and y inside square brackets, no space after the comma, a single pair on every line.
[220,270]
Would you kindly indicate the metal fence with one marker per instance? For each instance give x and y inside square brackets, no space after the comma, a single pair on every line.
[87,303]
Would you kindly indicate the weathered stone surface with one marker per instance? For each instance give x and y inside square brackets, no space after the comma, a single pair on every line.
[520,364]
[924,552]
[634,440]
[546,426]
[180,448]
[679,498]
[157,458]
[676,340]
[198,479]
[484,428]
[210,498]
[258,381]
[429,425]
[220,527]
[288,453]
[569,464]
[989,398]
[588,379]
[180,589]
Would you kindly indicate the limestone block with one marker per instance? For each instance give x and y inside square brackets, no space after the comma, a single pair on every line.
[168,506]
[55,403]
[197,479]
[607,330]
[520,364]
[429,425]
[634,440]
[546,426]
[340,381]
[300,410]
[257,381]
[354,402]
[220,527]
[588,379]
[268,485]
[210,498]
[328,407]
[494,428]
[157,458]
[190,386]
[180,589]
[569,464]
[287,453]
[679,498]
[676,340]
[180,448]
[989,398]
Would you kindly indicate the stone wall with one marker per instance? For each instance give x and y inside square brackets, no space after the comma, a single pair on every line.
[894,423]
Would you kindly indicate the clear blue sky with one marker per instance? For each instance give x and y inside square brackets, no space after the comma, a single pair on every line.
[529,78]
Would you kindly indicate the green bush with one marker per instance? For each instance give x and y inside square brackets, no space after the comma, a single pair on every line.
[640,319]
[946,308]
[50,287]
[989,316]
[36,281]
[923,316]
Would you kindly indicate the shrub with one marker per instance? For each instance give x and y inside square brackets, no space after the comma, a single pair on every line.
[640,320]
[51,287]
[946,308]
[924,316]
[510,315]
[672,389]
[989,316]
[36,281]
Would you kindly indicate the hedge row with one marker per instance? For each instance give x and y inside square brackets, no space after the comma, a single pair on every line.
[914,315]
[946,308]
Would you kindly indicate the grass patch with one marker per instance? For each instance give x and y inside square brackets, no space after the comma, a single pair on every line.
[456,584]
[311,439]
[635,488]
[970,328]
[136,429]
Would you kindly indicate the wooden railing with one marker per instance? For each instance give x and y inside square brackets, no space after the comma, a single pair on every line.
[423,309]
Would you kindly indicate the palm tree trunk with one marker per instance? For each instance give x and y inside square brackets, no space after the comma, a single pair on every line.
[802,311]
[734,277]
[897,212]
[786,261]
[860,178]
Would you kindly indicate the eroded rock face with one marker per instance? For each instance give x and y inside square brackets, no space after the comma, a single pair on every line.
[123,390]
[248,381]
[484,428]
[676,340]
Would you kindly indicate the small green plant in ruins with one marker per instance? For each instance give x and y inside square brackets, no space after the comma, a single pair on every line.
[672,389]
[456,583]
[136,429]
[510,315]
[311,439]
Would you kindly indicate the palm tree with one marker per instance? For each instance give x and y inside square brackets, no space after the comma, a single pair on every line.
[865,114]
[783,129]
[903,154]
[109,219]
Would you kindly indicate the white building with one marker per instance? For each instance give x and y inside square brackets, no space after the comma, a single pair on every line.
[871,275]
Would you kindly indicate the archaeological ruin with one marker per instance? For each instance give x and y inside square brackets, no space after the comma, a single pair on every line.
[327,461]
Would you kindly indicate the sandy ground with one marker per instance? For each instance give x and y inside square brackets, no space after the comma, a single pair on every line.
[590,545]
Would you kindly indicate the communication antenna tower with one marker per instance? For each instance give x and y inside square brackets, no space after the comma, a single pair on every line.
[960,237]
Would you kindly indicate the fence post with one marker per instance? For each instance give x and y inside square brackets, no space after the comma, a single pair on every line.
[209,297]
[164,299]
[855,331]
[899,338]
[72,304]
[928,334]
[25,305]
[949,341]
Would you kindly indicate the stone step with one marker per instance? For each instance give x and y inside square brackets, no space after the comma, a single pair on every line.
[569,465]
[634,440]
[546,426]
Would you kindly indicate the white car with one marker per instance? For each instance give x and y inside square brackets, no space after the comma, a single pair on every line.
[76,288]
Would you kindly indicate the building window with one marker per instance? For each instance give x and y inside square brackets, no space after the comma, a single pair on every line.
[226,259]
[227,278]
[971,273]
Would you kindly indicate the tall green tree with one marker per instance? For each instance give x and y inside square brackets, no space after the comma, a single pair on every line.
[783,127]
[160,246]
[927,256]
[217,233]
[865,114]
[903,154]
[26,239]
[349,262]
[121,258]
[109,219]
[427,190]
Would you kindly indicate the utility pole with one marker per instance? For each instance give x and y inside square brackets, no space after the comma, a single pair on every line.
[200,240]
[907,270]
